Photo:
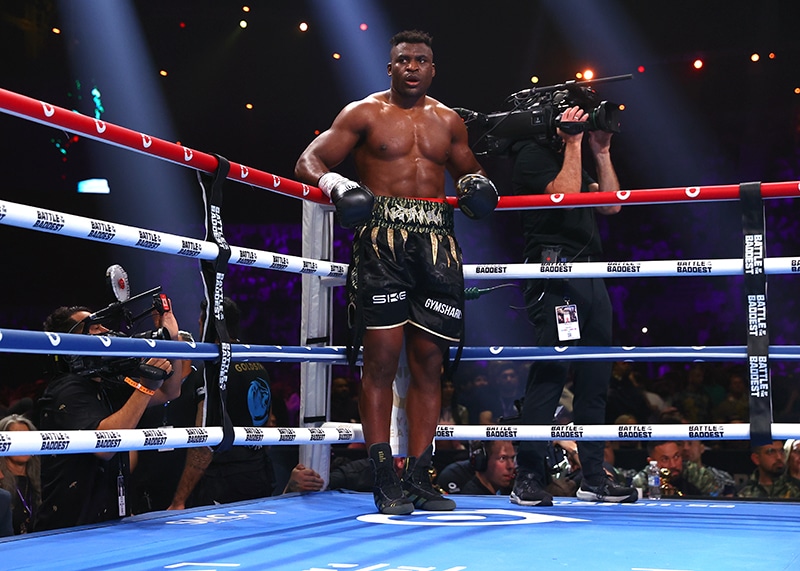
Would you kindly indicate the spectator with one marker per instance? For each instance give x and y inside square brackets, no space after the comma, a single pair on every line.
[495,467]
[693,401]
[625,395]
[769,479]
[675,483]
[451,414]
[22,478]
[736,404]
[503,397]
[472,392]
[344,406]
[629,444]
[786,398]
[792,452]
[722,484]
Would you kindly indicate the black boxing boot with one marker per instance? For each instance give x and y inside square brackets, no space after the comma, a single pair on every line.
[418,487]
[389,496]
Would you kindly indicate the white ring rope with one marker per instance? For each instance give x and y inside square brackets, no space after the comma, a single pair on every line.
[19,443]
[652,268]
[51,221]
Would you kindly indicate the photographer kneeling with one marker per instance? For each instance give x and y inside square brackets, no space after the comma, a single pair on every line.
[92,393]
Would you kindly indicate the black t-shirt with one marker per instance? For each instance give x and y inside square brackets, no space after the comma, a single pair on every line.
[574,229]
[475,487]
[79,489]
[248,402]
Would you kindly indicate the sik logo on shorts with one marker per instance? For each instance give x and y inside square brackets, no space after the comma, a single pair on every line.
[381,298]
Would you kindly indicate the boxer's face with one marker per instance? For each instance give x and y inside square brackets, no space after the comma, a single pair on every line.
[412,69]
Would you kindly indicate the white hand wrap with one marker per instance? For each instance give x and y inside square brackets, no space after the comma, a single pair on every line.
[331,180]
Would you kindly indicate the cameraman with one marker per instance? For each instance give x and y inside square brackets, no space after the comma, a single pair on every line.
[86,488]
[555,236]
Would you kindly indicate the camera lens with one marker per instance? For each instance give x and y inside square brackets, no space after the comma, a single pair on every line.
[605,117]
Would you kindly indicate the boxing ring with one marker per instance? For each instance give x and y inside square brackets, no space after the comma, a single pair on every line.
[337,530]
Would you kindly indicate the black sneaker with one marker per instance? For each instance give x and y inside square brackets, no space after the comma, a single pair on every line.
[529,492]
[389,496]
[418,487]
[607,491]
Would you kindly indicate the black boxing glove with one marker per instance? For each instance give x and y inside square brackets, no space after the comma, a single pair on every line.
[353,201]
[477,195]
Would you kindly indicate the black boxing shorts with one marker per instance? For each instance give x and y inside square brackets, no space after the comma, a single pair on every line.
[407,268]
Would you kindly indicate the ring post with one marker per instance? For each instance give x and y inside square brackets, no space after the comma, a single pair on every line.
[316,327]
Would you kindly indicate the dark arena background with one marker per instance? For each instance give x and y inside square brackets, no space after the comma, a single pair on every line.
[713,99]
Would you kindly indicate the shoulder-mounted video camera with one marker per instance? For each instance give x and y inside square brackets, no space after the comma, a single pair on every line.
[536,114]
[120,320]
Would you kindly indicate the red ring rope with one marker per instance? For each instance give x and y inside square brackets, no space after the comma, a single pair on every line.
[47,114]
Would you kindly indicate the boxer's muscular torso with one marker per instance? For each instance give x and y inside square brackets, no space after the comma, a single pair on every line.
[399,150]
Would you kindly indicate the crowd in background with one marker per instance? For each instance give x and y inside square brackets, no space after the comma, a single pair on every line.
[491,393]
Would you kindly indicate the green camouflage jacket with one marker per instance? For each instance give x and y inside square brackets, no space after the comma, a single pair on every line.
[781,488]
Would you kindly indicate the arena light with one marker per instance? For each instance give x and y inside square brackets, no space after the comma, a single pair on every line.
[94,186]
[243,24]
[755,57]
[366,55]
[107,43]
[303,27]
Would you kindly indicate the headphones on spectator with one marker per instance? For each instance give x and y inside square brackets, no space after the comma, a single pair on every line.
[478,458]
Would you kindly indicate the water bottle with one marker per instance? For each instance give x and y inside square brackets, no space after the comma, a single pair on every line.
[653,481]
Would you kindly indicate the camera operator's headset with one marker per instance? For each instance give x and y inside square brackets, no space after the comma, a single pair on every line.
[478,458]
